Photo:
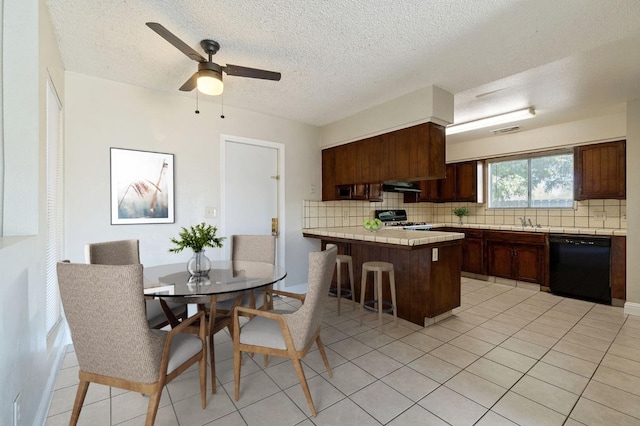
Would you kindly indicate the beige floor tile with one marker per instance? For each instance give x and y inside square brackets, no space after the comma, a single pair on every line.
[132,404]
[621,364]
[493,419]
[322,392]
[374,339]
[94,414]
[284,374]
[313,360]
[476,388]
[556,376]
[618,379]
[165,416]
[536,338]
[546,394]
[456,324]
[632,341]
[422,341]
[591,413]
[523,347]
[233,419]
[501,327]
[526,412]
[349,378]
[470,318]
[511,359]
[585,340]
[411,384]
[401,352]
[454,355]
[471,344]
[545,329]
[434,368]
[276,409]
[253,387]
[593,332]
[345,412]
[67,377]
[190,412]
[600,325]
[570,363]
[439,332]
[513,320]
[487,335]
[612,397]
[416,415]
[482,312]
[350,348]
[452,407]
[381,401]
[330,335]
[579,351]
[377,364]
[624,351]
[561,315]
[494,372]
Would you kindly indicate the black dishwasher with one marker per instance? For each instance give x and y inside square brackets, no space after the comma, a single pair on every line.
[579,266]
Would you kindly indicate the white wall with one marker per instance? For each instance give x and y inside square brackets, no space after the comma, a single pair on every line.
[28,360]
[633,208]
[101,114]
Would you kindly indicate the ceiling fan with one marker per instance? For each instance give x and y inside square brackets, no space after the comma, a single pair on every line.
[208,78]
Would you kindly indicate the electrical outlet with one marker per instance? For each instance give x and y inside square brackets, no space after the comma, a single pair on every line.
[434,254]
[312,189]
[16,411]
[599,215]
[210,212]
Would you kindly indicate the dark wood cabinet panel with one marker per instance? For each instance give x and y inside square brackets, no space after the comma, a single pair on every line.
[520,256]
[329,174]
[619,267]
[500,260]
[466,181]
[362,161]
[473,256]
[529,263]
[375,192]
[460,184]
[378,158]
[600,171]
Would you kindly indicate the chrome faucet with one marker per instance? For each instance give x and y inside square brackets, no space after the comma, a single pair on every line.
[530,223]
[523,221]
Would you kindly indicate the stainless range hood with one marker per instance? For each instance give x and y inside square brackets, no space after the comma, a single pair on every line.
[399,186]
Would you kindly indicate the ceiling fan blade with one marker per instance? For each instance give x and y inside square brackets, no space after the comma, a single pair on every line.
[176,42]
[190,84]
[239,71]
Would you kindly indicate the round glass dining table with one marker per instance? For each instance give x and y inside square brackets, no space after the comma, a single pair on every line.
[225,276]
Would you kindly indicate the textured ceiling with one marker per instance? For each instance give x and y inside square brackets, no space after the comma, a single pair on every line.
[569,59]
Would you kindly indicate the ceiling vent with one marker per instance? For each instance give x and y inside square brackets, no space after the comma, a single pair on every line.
[504,130]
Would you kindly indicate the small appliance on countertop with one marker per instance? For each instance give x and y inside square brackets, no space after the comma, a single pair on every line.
[398,218]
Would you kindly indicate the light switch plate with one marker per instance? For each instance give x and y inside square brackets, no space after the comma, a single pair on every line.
[434,254]
[210,212]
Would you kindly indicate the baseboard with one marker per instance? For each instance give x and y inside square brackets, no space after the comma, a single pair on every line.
[631,308]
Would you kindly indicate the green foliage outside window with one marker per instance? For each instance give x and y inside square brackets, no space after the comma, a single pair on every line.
[536,182]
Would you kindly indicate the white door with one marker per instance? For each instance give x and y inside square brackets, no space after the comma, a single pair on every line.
[251,188]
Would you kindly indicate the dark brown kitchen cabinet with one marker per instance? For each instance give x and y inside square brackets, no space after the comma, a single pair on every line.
[600,171]
[619,267]
[361,191]
[460,184]
[517,255]
[473,249]
[378,154]
[329,174]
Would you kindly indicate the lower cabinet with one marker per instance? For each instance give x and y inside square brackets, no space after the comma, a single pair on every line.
[518,256]
[473,252]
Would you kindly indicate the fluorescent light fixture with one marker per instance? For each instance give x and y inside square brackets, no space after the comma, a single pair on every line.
[508,117]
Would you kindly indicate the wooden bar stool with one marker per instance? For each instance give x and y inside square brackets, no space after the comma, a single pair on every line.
[340,260]
[377,303]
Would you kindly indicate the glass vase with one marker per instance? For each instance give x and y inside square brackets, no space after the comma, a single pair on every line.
[199,265]
[460,220]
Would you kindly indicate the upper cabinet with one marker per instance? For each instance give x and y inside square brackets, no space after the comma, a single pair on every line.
[462,182]
[600,171]
[415,153]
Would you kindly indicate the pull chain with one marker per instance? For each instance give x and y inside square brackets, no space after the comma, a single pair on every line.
[222,106]
[197,99]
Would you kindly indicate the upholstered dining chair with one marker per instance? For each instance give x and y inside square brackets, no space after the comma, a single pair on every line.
[288,334]
[104,307]
[127,252]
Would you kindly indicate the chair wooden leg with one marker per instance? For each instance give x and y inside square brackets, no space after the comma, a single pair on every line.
[152,409]
[83,386]
[237,357]
[303,382]
[212,359]
[203,380]
[324,356]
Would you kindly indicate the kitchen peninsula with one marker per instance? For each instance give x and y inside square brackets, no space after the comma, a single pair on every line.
[427,266]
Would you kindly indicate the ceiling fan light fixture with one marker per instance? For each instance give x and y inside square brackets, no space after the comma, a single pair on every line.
[508,117]
[210,82]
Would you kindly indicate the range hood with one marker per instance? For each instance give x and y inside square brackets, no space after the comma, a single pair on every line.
[400,186]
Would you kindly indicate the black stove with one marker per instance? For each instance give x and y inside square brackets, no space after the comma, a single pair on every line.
[398,218]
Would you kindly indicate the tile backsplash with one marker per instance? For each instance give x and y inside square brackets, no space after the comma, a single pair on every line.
[596,214]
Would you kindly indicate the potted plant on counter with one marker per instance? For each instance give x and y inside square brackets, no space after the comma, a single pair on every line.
[197,238]
[460,212]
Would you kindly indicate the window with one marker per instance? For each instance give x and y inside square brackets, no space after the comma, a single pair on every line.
[534,182]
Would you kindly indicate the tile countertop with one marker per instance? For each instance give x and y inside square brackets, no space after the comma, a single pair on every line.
[386,235]
[414,238]
[544,229]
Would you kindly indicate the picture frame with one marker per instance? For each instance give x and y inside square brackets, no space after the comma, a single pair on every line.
[142,187]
